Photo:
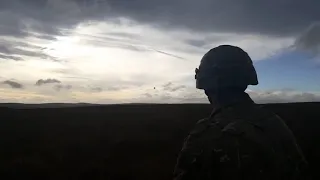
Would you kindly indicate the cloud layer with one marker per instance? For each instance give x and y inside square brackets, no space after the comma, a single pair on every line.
[287,17]
[60,87]
[41,82]
[13,84]
[309,40]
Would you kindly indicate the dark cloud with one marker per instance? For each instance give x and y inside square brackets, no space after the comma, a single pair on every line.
[147,95]
[17,51]
[115,88]
[11,22]
[13,84]
[167,85]
[14,49]
[248,16]
[197,42]
[123,35]
[206,42]
[9,46]
[45,37]
[309,41]
[22,18]
[8,57]
[41,82]
[176,88]
[60,87]
[172,87]
[273,17]
[97,89]
[168,54]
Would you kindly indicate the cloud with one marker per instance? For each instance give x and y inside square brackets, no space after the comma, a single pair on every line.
[13,84]
[125,40]
[60,87]
[169,54]
[176,44]
[45,37]
[192,95]
[102,40]
[148,95]
[17,49]
[9,57]
[19,18]
[41,82]
[309,40]
[178,88]
[283,96]
[242,16]
[48,20]
[265,97]
[167,85]
[21,52]
[97,89]
[114,88]
[172,88]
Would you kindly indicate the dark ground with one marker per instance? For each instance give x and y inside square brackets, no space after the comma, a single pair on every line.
[118,141]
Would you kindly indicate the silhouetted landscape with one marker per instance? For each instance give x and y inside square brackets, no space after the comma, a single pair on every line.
[117,141]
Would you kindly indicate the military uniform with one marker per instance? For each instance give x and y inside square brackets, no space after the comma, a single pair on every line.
[241,141]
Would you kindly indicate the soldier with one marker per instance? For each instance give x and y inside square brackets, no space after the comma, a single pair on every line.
[239,140]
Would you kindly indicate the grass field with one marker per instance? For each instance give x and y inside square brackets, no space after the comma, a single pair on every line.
[117,141]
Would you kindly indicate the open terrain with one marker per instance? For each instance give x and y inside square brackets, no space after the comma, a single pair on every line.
[118,141]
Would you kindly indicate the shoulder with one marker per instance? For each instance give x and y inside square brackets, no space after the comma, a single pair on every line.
[200,126]
[253,113]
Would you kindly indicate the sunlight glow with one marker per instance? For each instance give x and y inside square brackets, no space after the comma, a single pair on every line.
[105,59]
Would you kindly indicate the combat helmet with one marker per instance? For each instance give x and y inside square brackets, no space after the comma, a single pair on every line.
[225,66]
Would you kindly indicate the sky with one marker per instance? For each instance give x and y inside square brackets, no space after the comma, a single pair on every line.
[145,51]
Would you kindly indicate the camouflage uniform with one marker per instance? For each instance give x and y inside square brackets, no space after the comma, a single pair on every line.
[241,141]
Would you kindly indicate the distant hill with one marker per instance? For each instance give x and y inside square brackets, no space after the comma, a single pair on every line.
[68,105]
[45,105]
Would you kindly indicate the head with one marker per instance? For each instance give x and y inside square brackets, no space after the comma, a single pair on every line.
[225,69]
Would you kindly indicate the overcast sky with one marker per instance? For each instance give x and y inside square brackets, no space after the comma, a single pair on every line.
[122,51]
